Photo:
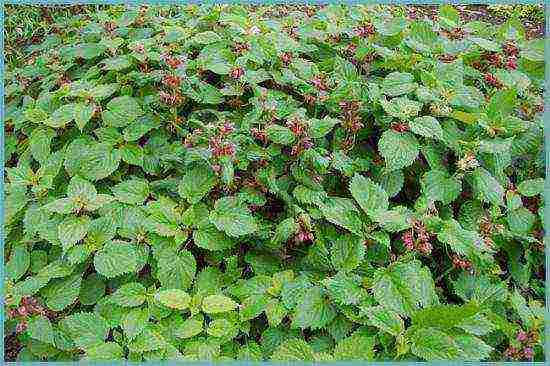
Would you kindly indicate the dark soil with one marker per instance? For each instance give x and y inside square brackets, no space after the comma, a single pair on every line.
[12,347]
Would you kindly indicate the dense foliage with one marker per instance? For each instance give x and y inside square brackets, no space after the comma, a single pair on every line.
[247,183]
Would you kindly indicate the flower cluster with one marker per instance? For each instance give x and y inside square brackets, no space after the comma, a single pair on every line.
[417,238]
[29,306]
[526,340]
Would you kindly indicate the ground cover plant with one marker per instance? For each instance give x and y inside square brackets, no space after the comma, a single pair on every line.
[275,183]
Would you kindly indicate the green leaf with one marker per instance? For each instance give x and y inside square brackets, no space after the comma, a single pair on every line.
[320,127]
[83,114]
[520,220]
[385,319]
[61,293]
[214,304]
[488,187]
[134,321]
[368,194]
[347,252]
[439,186]
[275,312]
[480,289]
[121,111]
[86,329]
[394,220]
[399,149]
[40,328]
[176,270]
[464,242]
[313,310]
[404,287]
[486,44]
[173,298]
[132,192]
[148,340]
[117,63]
[531,187]
[196,183]
[444,317]
[427,126]
[219,328]
[293,350]
[253,306]
[345,288]
[206,37]
[398,83]
[342,212]
[116,258]
[18,263]
[208,237]
[280,134]
[129,295]
[533,50]
[232,218]
[355,347]
[190,327]
[109,351]
[72,230]
[93,161]
[92,290]
[432,344]
[401,107]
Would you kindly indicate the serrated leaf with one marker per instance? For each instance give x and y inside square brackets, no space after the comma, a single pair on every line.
[116,258]
[342,212]
[134,321]
[208,237]
[173,298]
[196,183]
[109,351]
[347,252]
[385,319]
[488,187]
[219,327]
[398,83]
[531,187]
[83,114]
[19,262]
[148,340]
[520,220]
[132,192]
[176,270]
[355,347]
[401,107]
[280,134]
[404,287]
[368,194]
[214,304]
[293,350]
[399,149]
[86,329]
[61,293]
[439,186]
[129,295]
[190,327]
[232,218]
[72,230]
[40,328]
[345,288]
[121,111]
[320,127]
[426,126]
[313,310]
